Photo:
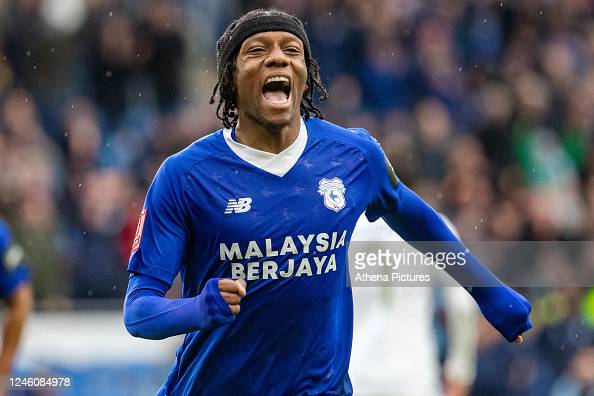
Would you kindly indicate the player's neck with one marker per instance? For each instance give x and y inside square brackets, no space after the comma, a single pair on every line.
[270,139]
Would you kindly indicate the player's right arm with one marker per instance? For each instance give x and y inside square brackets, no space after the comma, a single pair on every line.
[149,314]
[158,249]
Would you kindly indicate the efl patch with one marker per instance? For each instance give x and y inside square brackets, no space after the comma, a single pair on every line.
[138,236]
[333,192]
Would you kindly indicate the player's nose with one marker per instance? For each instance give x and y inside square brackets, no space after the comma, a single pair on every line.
[277,57]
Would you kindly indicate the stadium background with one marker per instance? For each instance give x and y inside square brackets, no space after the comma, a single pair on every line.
[485,108]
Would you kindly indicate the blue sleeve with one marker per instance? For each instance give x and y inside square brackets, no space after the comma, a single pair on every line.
[149,314]
[161,235]
[383,198]
[12,269]
[415,221]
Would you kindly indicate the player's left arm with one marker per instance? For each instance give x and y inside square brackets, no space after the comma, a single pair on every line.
[413,219]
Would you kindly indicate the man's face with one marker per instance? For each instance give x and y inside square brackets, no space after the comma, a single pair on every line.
[271,77]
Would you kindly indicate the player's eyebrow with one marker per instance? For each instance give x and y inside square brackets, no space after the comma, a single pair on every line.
[289,37]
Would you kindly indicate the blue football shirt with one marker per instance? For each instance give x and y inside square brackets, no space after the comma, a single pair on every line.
[12,270]
[282,222]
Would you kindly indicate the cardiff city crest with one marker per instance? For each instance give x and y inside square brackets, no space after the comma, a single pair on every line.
[333,192]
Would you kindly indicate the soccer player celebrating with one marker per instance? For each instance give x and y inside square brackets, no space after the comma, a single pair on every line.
[15,290]
[272,199]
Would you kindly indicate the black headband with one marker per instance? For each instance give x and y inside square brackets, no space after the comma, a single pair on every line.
[257,21]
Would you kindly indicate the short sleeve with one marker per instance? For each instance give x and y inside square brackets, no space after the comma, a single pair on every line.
[12,269]
[159,244]
[383,198]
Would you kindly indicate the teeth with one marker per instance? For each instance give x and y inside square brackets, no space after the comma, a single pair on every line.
[277,78]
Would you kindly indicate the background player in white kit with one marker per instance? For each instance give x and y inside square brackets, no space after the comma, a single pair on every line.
[395,349]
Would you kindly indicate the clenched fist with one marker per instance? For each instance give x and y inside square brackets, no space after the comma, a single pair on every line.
[232,291]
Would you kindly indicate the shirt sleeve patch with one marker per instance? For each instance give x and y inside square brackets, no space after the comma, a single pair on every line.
[391,174]
[138,236]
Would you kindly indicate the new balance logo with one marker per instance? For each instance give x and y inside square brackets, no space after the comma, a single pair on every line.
[240,205]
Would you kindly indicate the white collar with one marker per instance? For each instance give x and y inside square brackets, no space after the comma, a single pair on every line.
[277,164]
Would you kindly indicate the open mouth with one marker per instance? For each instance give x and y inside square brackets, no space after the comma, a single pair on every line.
[277,89]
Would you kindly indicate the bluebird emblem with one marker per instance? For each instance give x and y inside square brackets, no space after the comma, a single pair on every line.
[333,192]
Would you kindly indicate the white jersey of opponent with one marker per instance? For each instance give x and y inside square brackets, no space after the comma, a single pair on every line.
[394,347]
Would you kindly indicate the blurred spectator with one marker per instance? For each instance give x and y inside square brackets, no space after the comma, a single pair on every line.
[103,199]
[579,377]
[31,181]
[504,369]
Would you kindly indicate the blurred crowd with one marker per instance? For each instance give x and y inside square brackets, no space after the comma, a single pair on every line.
[485,108]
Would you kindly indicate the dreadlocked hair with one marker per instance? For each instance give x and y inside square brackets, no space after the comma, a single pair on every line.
[227,108]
